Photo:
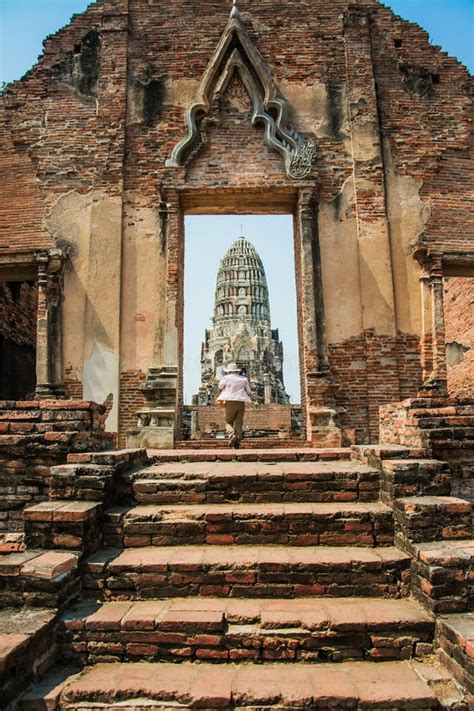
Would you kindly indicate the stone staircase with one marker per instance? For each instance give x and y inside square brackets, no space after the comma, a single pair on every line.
[282,578]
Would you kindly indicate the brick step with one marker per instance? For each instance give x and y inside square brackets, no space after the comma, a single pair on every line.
[250,482]
[431,518]
[262,454]
[238,571]
[38,578]
[298,524]
[260,630]
[26,648]
[350,685]
[443,575]
[455,636]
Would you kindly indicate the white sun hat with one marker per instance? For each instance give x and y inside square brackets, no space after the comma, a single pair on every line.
[232,368]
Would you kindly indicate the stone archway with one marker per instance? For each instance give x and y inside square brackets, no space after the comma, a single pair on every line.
[223,125]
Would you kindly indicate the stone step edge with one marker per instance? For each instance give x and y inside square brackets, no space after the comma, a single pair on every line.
[249,455]
[137,512]
[361,685]
[214,613]
[231,556]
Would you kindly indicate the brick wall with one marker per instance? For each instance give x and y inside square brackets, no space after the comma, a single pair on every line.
[459,324]
[371,370]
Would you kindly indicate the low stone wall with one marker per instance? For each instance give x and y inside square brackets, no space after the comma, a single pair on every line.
[444,426]
[275,419]
[35,436]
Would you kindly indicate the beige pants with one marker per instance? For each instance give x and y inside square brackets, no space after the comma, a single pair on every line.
[234,418]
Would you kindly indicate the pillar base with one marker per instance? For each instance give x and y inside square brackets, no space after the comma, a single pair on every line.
[151,438]
[322,428]
[50,391]
[156,421]
[434,387]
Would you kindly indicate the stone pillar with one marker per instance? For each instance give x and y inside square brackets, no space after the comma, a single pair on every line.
[49,365]
[433,340]
[373,236]
[426,346]
[318,396]
[439,374]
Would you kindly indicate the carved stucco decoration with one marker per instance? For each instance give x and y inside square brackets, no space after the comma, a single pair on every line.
[236,53]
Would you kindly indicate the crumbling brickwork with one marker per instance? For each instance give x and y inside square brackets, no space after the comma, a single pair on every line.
[34,436]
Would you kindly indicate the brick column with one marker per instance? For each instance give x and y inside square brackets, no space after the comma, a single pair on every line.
[373,237]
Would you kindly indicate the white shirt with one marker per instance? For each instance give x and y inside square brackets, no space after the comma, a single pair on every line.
[235,387]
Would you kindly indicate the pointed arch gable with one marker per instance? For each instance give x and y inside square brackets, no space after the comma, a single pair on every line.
[236,53]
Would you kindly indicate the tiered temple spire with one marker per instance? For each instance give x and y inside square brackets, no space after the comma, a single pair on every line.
[242,329]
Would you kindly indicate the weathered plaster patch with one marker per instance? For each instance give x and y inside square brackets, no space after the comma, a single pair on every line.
[339,263]
[181,92]
[100,377]
[455,352]
[407,216]
[313,110]
[144,282]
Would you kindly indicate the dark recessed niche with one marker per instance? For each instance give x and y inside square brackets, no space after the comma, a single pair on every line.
[77,49]
[436,78]
[397,42]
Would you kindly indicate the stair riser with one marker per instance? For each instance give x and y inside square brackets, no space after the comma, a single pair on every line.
[246,489]
[251,644]
[443,589]
[415,482]
[298,530]
[425,526]
[279,580]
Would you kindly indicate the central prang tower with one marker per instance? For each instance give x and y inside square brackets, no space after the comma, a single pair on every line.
[241,329]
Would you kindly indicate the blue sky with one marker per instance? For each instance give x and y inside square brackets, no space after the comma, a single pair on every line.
[23,26]
[25,23]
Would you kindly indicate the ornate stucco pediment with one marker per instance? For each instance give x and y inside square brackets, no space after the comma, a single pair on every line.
[235,53]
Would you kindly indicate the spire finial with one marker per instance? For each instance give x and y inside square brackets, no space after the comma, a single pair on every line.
[235,10]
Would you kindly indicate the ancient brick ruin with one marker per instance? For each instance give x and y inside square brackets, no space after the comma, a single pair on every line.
[330,570]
